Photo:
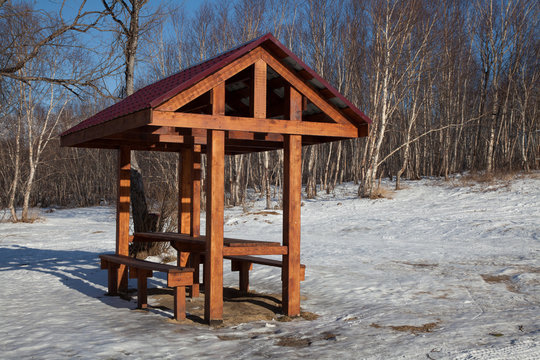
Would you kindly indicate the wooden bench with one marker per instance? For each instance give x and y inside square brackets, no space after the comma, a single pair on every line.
[177,278]
[244,264]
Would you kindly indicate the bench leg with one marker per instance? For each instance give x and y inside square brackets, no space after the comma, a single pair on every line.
[112,281]
[244,276]
[195,263]
[142,296]
[179,302]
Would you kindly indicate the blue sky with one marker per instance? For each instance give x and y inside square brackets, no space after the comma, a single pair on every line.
[70,8]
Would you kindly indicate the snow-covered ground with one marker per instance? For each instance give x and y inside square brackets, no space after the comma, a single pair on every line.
[463,262]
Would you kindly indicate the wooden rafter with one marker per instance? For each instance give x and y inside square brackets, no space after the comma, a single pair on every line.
[303,88]
[211,81]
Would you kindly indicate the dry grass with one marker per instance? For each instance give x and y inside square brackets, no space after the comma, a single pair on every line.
[487,182]
[33,216]
[381,192]
[263,213]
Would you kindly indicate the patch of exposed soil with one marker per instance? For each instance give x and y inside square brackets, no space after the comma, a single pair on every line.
[501,279]
[296,341]
[425,328]
[238,307]
[419,265]
[293,341]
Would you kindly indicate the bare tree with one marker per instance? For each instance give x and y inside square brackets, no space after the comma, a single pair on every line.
[29,34]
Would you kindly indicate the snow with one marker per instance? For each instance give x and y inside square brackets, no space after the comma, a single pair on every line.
[464,259]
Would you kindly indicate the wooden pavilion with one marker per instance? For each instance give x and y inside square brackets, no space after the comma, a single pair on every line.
[256,97]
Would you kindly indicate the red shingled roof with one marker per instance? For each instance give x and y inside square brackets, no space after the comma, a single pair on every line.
[155,94]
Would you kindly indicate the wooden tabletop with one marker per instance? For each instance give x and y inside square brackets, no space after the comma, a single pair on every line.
[183,242]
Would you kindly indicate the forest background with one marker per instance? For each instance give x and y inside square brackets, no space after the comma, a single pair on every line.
[450,85]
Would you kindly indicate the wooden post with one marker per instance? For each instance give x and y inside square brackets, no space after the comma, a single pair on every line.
[184,198]
[292,184]
[244,277]
[179,303]
[142,295]
[213,302]
[122,212]
[259,90]
[112,280]
[195,226]
[189,207]
[196,192]
[185,178]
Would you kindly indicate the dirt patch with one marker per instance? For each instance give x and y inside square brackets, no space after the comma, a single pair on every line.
[443,296]
[238,307]
[293,341]
[306,315]
[297,341]
[419,265]
[425,328]
[501,279]
[230,337]
[530,269]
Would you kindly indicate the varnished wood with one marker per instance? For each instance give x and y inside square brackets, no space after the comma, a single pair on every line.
[112,276]
[243,264]
[255,250]
[215,195]
[211,81]
[143,264]
[121,124]
[259,89]
[179,302]
[292,183]
[195,226]
[142,146]
[222,122]
[177,277]
[185,187]
[305,89]
[122,211]
[142,301]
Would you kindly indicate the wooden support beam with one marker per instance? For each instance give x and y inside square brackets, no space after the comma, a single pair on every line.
[195,225]
[185,187]
[292,184]
[123,123]
[259,89]
[143,146]
[222,122]
[213,282]
[137,137]
[185,168]
[305,89]
[122,212]
[211,81]
[196,173]
[189,207]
